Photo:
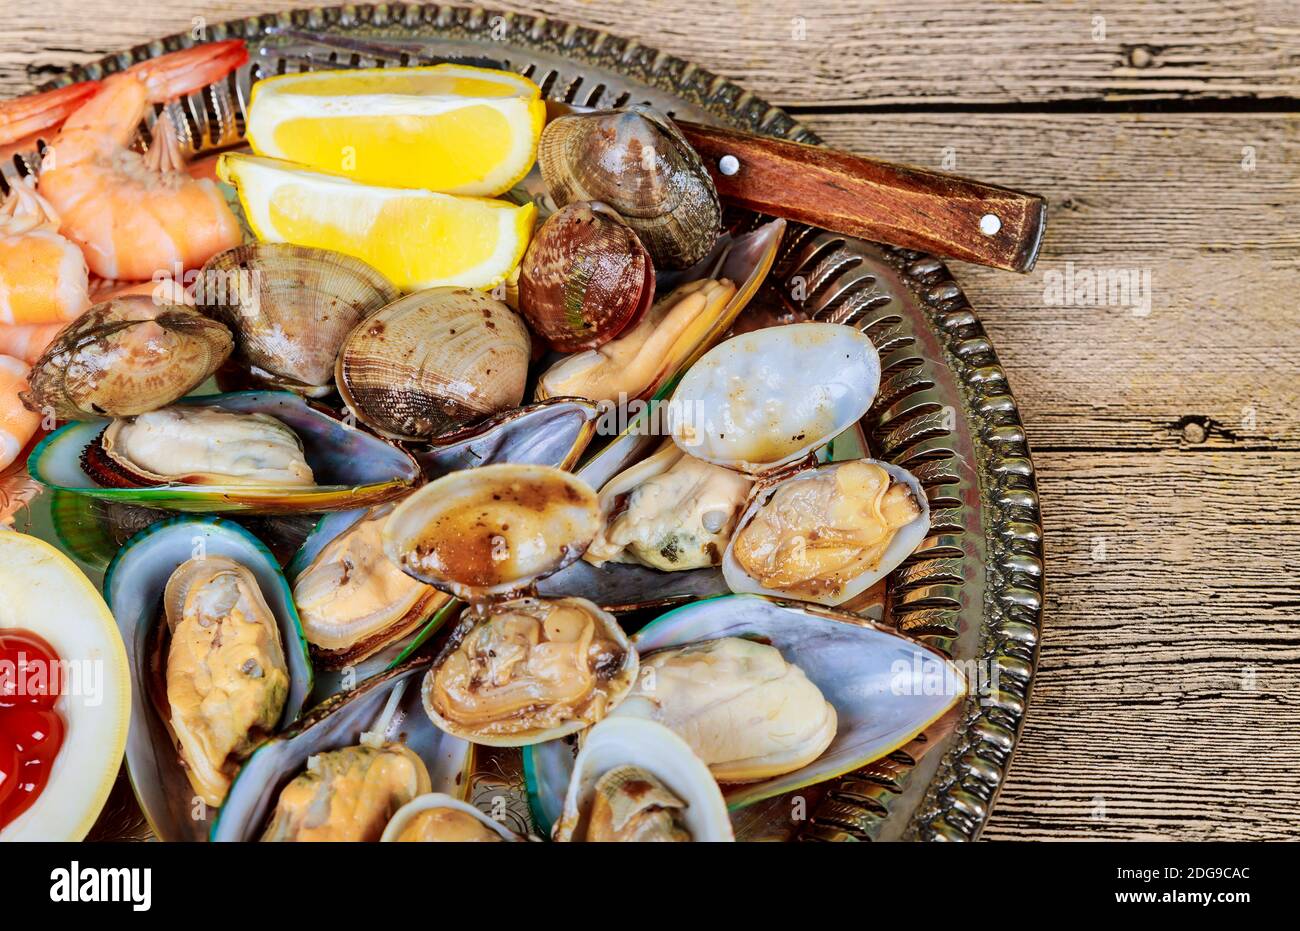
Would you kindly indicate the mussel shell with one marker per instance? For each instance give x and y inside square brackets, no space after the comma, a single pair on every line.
[336,723]
[433,363]
[126,356]
[554,432]
[882,685]
[639,163]
[133,588]
[585,278]
[290,307]
[353,467]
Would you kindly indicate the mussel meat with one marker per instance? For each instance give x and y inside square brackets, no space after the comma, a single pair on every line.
[637,162]
[190,444]
[432,363]
[585,278]
[348,795]
[639,358]
[353,600]
[126,356]
[743,709]
[440,818]
[227,680]
[290,307]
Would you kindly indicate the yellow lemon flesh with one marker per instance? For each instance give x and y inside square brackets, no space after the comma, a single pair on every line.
[448,128]
[419,239]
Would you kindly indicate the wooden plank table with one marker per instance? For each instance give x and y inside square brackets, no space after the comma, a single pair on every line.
[1166,433]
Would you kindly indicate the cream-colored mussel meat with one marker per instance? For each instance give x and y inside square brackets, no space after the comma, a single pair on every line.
[227,681]
[353,600]
[817,534]
[740,706]
[348,794]
[197,445]
[670,511]
[632,362]
[447,825]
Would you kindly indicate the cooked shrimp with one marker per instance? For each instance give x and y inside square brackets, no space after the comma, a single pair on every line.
[163,291]
[43,276]
[27,341]
[22,121]
[17,424]
[132,214]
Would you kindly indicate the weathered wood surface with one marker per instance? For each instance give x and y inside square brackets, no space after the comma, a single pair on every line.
[887,52]
[1168,442]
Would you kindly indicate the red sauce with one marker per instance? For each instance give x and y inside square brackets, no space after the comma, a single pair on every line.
[31,731]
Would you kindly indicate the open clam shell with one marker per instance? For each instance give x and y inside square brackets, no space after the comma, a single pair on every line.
[133,587]
[493,530]
[623,741]
[387,707]
[768,398]
[352,468]
[885,688]
[905,541]
[290,307]
[609,664]
[432,800]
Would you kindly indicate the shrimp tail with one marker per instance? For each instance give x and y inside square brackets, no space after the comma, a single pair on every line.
[179,73]
[24,117]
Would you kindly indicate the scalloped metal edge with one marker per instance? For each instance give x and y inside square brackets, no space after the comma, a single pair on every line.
[960,796]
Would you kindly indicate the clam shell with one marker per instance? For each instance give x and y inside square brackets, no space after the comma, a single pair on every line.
[619,741]
[133,588]
[433,363]
[415,806]
[290,307]
[904,544]
[492,530]
[768,398]
[585,278]
[352,468]
[637,162]
[126,356]
[886,688]
[388,704]
[616,688]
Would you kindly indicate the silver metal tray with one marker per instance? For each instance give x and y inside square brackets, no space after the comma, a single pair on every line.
[945,411]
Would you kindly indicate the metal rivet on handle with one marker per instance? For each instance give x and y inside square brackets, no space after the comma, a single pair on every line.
[728,165]
[990,224]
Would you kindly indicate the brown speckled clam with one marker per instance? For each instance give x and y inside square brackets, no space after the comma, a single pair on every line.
[585,278]
[639,164]
[432,363]
[126,356]
[290,308]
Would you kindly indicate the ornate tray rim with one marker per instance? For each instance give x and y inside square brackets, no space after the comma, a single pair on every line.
[960,796]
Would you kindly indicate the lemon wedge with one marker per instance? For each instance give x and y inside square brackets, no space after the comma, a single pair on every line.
[448,128]
[419,239]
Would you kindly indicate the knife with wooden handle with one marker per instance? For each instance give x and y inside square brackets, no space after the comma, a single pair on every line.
[894,204]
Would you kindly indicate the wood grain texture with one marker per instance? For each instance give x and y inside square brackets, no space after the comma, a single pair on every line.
[1168,442]
[884,52]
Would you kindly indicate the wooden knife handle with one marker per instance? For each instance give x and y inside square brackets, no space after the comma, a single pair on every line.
[893,204]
